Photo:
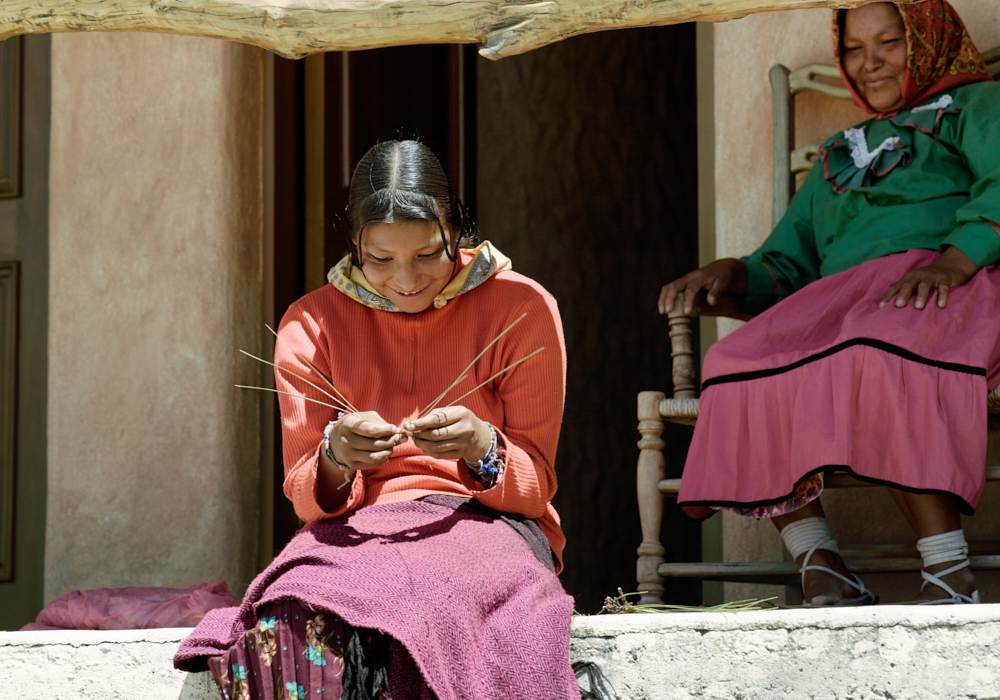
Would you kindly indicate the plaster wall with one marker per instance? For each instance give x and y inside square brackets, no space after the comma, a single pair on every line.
[155,283]
[744,51]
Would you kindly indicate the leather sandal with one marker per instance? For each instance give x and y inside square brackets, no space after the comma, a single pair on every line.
[956,598]
[864,597]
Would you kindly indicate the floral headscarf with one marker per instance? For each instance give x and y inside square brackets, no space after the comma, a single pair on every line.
[940,54]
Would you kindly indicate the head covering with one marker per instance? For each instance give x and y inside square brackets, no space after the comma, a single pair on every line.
[940,54]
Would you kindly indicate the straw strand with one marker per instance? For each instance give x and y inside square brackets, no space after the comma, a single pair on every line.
[288,393]
[318,373]
[462,375]
[505,369]
[294,374]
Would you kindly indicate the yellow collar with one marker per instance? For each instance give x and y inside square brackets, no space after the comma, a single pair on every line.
[481,263]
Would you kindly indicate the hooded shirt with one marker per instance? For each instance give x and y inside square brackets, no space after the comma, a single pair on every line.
[395,363]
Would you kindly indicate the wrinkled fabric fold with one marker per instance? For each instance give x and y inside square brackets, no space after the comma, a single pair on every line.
[827,381]
[459,589]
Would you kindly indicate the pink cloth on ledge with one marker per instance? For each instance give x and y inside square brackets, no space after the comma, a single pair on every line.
[827,381]
[132,608]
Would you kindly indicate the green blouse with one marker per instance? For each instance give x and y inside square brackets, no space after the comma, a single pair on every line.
[927,178]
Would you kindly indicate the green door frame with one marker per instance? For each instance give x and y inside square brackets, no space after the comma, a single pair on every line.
[24,240]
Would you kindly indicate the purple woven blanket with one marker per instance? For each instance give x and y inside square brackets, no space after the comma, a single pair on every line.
[461,590]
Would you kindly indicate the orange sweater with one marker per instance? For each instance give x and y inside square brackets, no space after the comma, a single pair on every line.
[397,363]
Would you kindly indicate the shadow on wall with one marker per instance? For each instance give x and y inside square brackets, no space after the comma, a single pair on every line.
[587,179]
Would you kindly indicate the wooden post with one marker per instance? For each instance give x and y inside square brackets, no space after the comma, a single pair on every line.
[650,471]
[783,117]
[681,351]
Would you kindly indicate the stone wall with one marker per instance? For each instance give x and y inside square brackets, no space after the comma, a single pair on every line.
[156,282]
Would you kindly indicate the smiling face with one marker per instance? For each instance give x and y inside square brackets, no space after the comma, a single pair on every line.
[874,54]
[406,262]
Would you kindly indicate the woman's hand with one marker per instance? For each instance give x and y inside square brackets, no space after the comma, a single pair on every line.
[451,433]
[364,440]
[953,269]
[726,276]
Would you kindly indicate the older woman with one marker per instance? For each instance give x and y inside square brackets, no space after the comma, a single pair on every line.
[422,399]
[877,337]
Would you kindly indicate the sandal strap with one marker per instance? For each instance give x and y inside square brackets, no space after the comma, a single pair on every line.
[956,598]
[806,566]
[856,583]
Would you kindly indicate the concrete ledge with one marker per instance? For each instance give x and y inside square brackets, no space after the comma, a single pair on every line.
[83,665]
[898,652]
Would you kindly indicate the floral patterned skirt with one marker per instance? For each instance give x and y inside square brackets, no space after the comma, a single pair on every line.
[297,654]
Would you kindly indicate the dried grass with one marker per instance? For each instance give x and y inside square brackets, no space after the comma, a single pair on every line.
[620,605]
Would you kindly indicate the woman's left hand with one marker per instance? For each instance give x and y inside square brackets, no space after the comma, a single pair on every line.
[451,433]
[953,269]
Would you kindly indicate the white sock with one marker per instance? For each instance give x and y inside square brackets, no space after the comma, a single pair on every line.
[809,533]
[938,549]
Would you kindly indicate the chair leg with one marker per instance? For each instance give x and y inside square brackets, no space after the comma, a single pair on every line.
[650,472]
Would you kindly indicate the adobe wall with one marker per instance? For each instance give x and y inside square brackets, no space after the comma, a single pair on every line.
[744,51]
[155,283]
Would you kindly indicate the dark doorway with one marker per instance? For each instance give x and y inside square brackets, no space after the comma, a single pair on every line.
[588,181]
[579,161]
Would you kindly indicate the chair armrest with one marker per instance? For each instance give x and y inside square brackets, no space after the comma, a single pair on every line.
[681,346]
[727,306]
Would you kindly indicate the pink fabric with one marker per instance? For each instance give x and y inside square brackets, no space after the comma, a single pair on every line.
[132,608]
[895,395]
[458,588]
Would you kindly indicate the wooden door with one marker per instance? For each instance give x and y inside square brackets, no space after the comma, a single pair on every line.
[24,136]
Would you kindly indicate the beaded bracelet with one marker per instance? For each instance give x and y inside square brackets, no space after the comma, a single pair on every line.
[348,473]
[488,470]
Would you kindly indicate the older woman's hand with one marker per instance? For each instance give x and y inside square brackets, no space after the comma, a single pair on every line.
[725,276]
[953,269]
[364,440]
[451,433]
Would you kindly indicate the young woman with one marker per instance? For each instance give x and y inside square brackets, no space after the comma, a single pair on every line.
[877,337]
[428,565]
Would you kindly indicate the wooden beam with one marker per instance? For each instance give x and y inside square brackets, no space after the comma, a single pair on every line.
[298,28]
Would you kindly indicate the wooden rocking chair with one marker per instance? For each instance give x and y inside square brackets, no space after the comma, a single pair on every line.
[654,407]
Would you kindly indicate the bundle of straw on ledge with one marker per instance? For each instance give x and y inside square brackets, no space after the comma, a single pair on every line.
[620,605]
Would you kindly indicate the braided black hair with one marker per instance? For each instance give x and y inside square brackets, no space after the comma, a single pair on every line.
[404,181]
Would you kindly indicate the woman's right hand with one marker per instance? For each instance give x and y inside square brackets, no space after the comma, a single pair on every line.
[725,276]
[364,440]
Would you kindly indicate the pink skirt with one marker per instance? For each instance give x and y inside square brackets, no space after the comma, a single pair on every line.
[826,381]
